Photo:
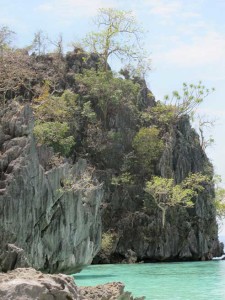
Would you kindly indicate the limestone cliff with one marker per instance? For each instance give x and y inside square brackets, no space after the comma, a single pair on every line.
[189,233]
[50,209]
[57,225]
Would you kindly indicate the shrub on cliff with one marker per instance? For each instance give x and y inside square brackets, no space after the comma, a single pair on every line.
[56,135]
[148,147]
[167,194]
[107,90]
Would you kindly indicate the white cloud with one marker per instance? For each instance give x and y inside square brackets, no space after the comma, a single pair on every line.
[202,50]
[174,11]
[73,8]
[164,8]
[213,113]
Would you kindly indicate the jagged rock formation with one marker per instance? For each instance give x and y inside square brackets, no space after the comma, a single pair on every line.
[27,284]
[46,223]
[57,226]
[189,234]
[108,291]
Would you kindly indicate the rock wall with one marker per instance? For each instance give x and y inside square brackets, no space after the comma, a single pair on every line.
[189,234]
[58,227]
[27,283]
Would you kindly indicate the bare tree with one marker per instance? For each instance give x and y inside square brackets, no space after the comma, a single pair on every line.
[205,123]
[6,37]
[40,42]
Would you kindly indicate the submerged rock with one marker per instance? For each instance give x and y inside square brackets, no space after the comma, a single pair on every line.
[57,225]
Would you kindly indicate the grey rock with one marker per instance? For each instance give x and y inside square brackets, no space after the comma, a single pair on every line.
[189,233]
[109,291]
[12,258]
[27,284]
[58,228]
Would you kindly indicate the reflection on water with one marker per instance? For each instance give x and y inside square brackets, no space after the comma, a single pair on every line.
[159,281]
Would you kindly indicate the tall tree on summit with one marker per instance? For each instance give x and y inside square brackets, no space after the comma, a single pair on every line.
[119,35]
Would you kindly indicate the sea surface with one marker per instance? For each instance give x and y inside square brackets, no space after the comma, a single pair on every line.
[159,281]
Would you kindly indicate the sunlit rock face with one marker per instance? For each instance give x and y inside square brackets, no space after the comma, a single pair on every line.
[43,223]
[27,283]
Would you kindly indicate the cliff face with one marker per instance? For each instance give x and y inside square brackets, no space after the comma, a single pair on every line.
[50,208]
[136,230]
[56,223]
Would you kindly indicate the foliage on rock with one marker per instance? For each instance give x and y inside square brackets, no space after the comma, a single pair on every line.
[148,146]
[108,91]
[168,194]
[83,109]
[55,135]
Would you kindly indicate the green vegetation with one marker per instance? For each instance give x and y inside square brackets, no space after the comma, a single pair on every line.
[51,108]
[6,36]
[167,194]
[123,179]
[220,202]
[118,35]
[178,105]
[54,116]
[108,90]
[55,135]
[148,147]
[108,240]
[219,197]
[160,114]
[82,106]
[185,103]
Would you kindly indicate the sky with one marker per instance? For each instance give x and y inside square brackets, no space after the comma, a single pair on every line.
[185,41]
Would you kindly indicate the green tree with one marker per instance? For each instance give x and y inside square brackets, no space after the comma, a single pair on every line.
[109,91]
[55,124]
[55,135]
[168,194]
[118,35]
[220,202]
[161,114]
[178,105]
[219,197]
[6,37]
[186,102]
[52,108]
[148,146]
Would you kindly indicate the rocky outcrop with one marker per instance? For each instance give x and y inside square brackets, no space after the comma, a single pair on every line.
[29,284]
[109,291]
[50,214]
[189,233]
[55,221]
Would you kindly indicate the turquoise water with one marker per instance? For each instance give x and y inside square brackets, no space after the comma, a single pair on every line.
[159,281]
